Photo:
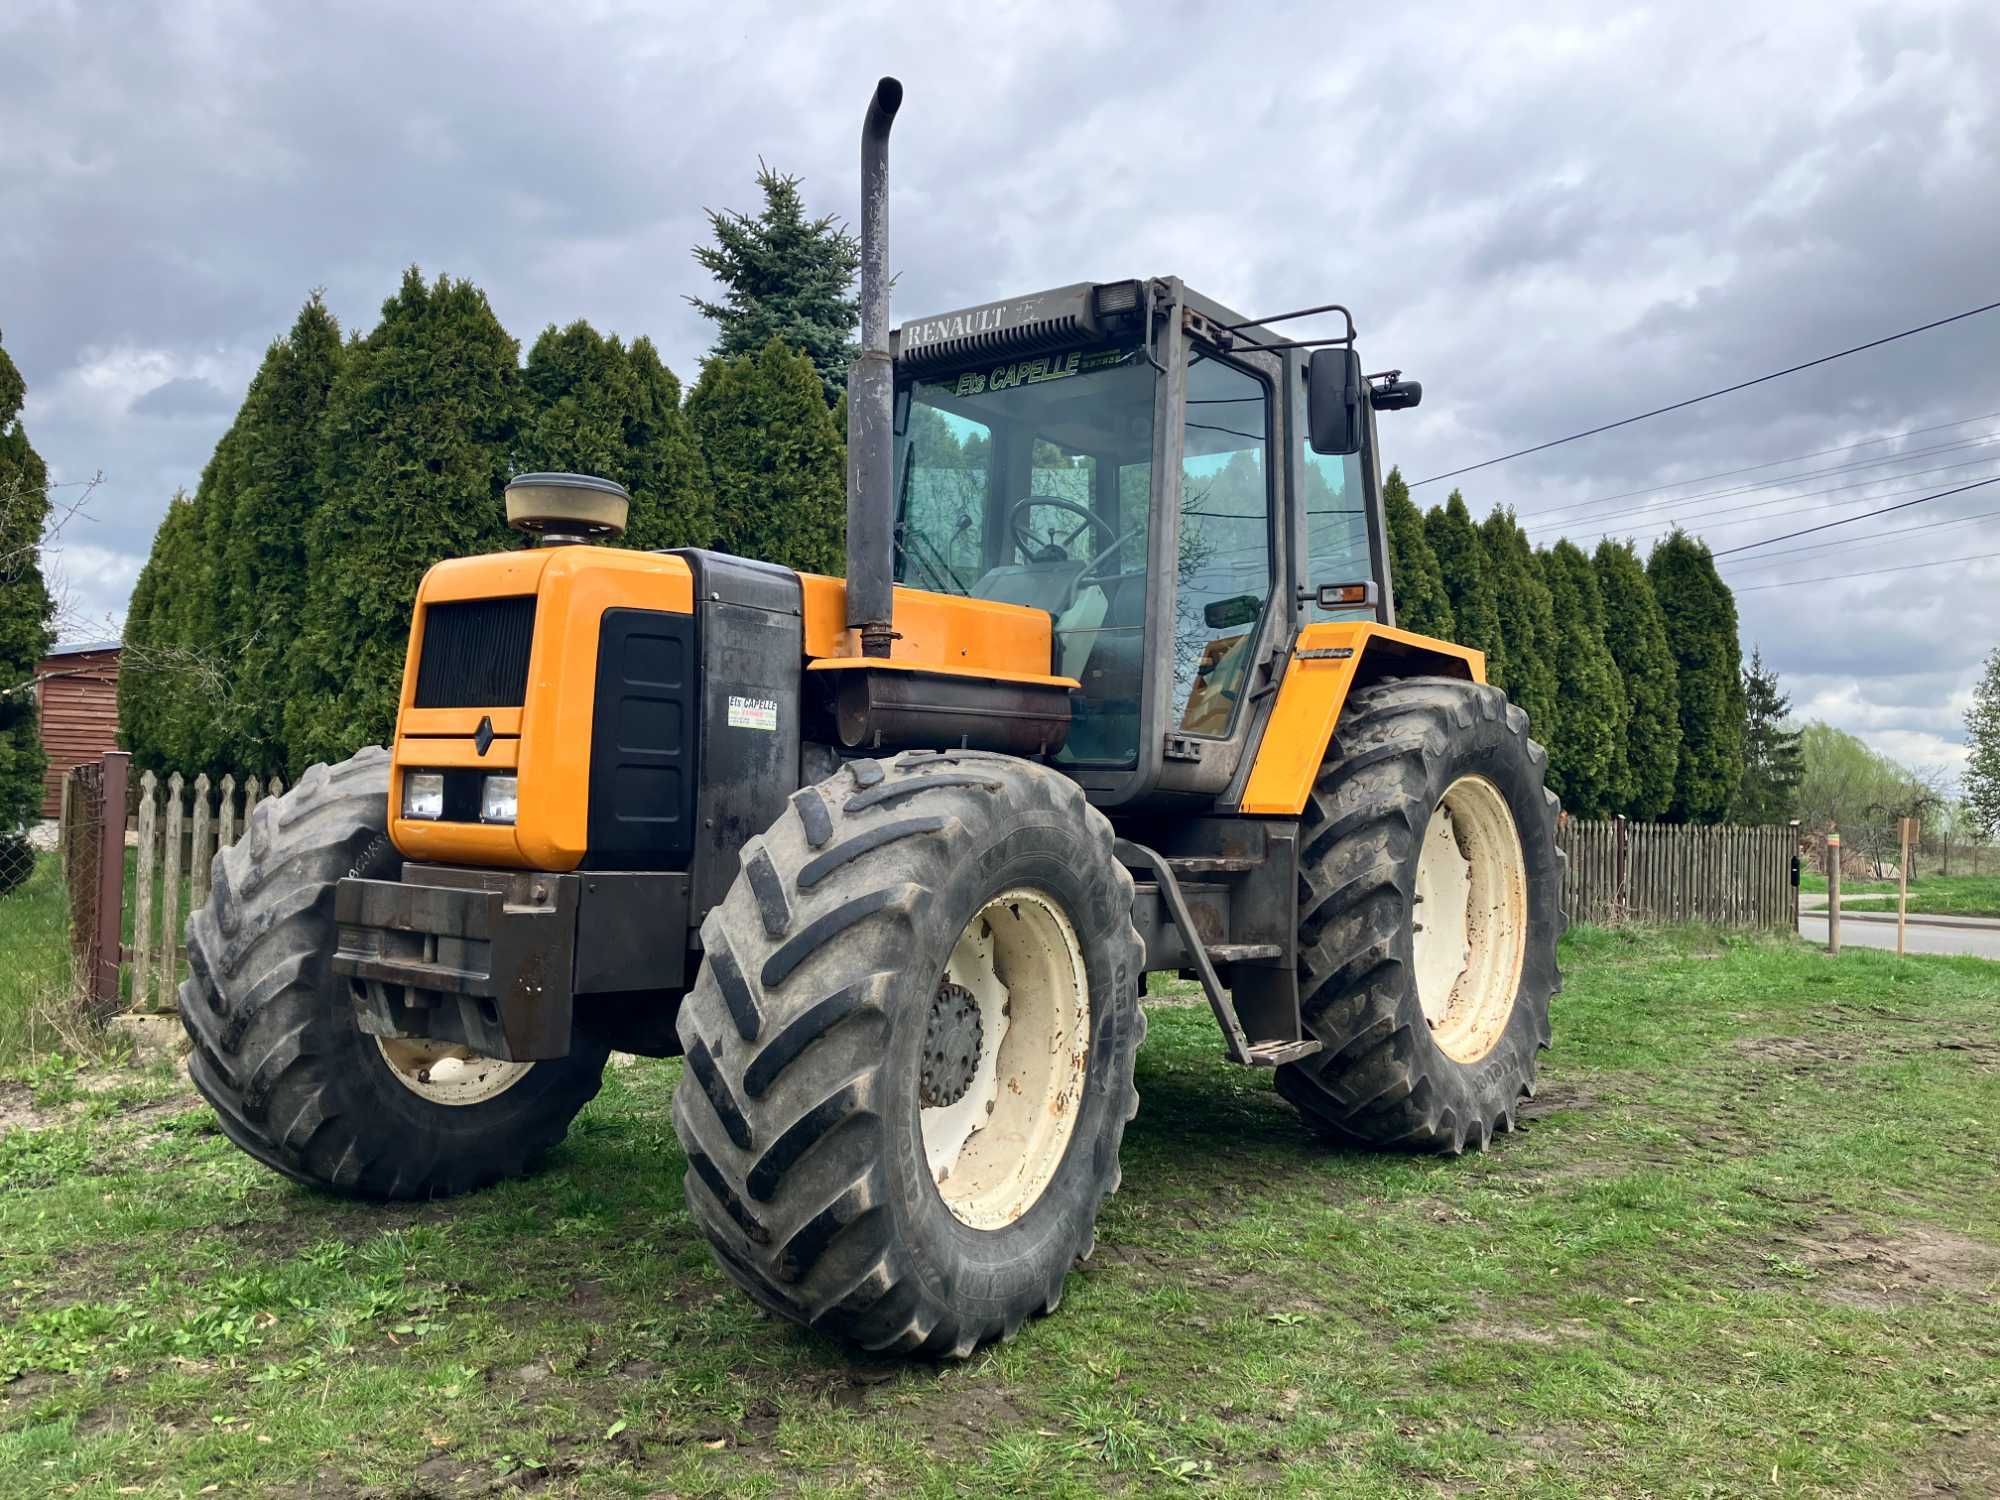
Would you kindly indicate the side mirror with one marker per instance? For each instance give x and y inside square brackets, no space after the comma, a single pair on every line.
[1333,401]
[1226,614]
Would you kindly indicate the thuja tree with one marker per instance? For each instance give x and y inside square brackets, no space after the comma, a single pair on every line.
[1527,619]
[599,407]
[1636,632]
[1468,583]
[24,616]
[421,427]
[1586,740]
[262,574]
[1700,616]
[1415,580]
[775,460]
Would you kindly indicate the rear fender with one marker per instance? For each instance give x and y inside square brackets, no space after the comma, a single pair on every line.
[1328,661]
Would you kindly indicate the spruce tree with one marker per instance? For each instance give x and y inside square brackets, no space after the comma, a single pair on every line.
[775,460]
[1415,581]
[1461,558]
[1982,729]
[1772,759]
[421,426]
[1636,632]
[1527,619]
[25,610]
[787,277]
[601,408]
[1700,616]
[1586,739]
[263,558]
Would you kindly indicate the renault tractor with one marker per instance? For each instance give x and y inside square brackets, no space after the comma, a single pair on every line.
[1112,686]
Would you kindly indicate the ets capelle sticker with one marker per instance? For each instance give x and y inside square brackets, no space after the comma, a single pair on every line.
[753,713]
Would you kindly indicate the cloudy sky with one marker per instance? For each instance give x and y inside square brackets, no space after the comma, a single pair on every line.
[1554,215]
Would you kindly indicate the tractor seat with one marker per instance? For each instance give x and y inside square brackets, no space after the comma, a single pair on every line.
[1039,585]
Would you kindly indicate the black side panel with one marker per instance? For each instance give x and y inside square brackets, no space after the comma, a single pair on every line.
[644,737]
[752,659]
[475,653]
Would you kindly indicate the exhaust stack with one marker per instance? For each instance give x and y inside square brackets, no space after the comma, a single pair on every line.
[871,397]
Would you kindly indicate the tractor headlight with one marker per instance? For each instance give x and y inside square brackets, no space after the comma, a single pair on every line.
[423,794]
[499,797]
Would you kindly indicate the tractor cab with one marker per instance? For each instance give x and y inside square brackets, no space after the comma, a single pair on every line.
[1135,460]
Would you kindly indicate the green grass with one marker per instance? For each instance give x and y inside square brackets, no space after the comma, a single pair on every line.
[1941,895]
[35,968]
[1749,1241]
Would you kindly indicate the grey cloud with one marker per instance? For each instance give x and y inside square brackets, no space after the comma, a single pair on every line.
[183,396]
[1553,218]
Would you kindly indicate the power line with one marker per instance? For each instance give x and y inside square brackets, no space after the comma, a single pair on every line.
[1939,562]
[1654,501]
[1741,385]
[1797,458]
[1846,520]
[1873,536]
[1669,519]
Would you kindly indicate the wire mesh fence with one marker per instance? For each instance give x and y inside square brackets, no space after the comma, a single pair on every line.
[18,858]
[44,1002]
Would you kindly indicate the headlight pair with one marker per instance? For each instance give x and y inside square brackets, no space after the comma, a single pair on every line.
[423,797]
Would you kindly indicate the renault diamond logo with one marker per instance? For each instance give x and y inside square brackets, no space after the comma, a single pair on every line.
[483,735]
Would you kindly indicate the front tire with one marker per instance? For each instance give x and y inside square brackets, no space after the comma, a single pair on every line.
[1430,904]
[277,1048]
[910,1051]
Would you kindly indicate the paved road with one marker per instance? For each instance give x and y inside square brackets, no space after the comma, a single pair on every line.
[1980,942]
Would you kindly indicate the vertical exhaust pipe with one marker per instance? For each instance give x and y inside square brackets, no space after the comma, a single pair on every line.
[871,458]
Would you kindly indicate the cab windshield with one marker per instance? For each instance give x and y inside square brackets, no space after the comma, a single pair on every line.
[1029,480]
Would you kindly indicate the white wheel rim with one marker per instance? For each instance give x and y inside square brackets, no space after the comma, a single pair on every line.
[448,1074]
[994,1150]
[1471,918]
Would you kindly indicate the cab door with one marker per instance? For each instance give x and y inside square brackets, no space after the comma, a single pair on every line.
[1231,601]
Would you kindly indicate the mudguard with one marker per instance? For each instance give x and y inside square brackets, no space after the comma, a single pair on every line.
[1327,661]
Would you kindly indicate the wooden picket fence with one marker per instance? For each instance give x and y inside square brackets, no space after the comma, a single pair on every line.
[1622,871]
[180,828]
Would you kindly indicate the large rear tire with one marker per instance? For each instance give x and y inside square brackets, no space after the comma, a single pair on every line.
[277,1050]
[1430,904]
[910,1049]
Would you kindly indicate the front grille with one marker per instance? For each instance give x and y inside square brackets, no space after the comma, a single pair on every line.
[475,653]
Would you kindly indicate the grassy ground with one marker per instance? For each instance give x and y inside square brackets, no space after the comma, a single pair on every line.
[35,972]
[39,1002]
[1955,895]
[1748,1241]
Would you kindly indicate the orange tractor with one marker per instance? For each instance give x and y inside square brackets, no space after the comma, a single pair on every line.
[1113,685]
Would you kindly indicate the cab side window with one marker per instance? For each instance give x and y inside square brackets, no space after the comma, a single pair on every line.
[1336,530]
[1225,559]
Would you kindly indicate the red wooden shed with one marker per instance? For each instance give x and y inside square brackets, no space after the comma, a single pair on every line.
[77,687]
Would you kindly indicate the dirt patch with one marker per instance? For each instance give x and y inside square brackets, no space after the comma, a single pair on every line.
[1505,1331]
[964,1419]
[1808,1057]
[1555,1097]
[1961,1463]
[1841,1262]
[1800,1055]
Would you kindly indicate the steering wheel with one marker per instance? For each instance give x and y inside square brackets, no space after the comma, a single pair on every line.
[1034,550]
[1094,571]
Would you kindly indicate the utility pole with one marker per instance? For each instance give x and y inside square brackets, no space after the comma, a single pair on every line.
[1905,825]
